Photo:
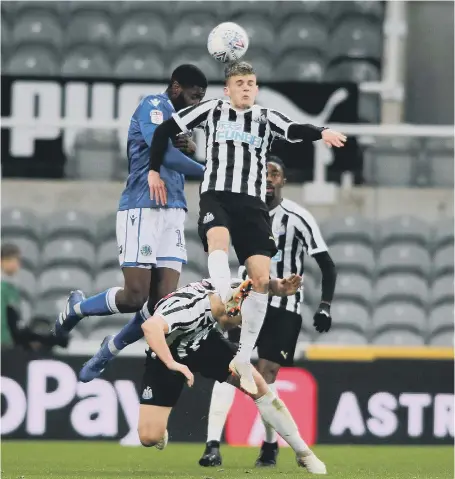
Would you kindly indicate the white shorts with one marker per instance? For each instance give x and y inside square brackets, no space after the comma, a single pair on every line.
[151,237]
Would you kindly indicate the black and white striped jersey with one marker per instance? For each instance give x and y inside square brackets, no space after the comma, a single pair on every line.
[296,233]
[236,143]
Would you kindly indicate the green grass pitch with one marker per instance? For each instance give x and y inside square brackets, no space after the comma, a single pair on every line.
[103,460]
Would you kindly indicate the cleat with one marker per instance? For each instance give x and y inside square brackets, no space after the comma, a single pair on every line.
[97,364]
[234,303]
[211,456]
[267,456]
[68,319]
[244,371]
[309,460]
[163,443]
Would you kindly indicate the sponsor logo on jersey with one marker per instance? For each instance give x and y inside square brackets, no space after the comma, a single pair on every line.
[146,250]
[155,102]
[230,130]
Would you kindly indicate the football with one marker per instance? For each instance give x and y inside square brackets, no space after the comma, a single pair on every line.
[227,42]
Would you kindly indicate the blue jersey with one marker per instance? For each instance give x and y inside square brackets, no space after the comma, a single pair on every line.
[150,113]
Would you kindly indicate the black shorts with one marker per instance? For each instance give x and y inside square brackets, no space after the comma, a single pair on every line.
[246,218]
[278,337]
[162,387]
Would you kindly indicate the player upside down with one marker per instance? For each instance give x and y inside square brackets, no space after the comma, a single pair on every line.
[184,337]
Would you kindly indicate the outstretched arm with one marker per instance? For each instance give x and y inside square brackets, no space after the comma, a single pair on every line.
[154,330]
[285,286]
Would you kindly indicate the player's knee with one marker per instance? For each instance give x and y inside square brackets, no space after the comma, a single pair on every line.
[136,297]
[261,283]
[269,374]
[150,437]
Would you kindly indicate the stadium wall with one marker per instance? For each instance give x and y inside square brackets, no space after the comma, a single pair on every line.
[384,401]
[101,198]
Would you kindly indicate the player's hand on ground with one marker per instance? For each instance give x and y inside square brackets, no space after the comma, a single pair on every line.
[322,319]
[290,285]
[181,368]
[333,138]
[157,188]
[185,144]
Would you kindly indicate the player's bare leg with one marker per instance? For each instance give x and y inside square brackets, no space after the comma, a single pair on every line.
[275,413]
[253,312]
[269,449]
[152,427]
[218,262]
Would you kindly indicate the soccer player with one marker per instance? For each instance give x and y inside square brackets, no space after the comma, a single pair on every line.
[184,338]
[296,233]
[238,136]
[148,235]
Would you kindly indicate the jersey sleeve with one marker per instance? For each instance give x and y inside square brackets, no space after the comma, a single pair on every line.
[194,116]
[150,114]
[279,124]
[308,231]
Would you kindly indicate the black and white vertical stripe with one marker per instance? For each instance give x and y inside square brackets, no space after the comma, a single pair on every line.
[188,315]
[237,142]
[296,233]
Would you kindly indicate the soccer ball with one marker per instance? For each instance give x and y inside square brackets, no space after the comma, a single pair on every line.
[227,42]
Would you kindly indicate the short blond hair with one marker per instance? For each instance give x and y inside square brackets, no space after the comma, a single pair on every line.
[238,69]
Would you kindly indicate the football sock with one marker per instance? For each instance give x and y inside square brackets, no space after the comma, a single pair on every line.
[253,312]
[220,404]
[131,332]
[102,304]
[270,433]
[275,413]
[220,274]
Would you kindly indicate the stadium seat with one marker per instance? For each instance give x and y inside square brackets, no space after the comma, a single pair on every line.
[444,339]
[18,222]
[58,9]
[404,229]
[212,70]
[263,67]
[399,315]
[108,278]
[349,229]
[68,252]
[441,319]
[443,261]
[107,255]
[192,31]
[26,284]
[404,259]
[261,33]
[86,61]
[90,27]
[49,308]
[357,258]
[139,65]
[442,290]
[93,7]
[26,311]
[300,67]
[352,315]
[29,248]
[307,314]
[443,233]
[401,287]
[188,276]
[107,227]
[150,10]
[341,337]
[398,338]
[33,61]
[70,224]
[319,10]
[96,155]
[354,287]
[183,9]
[369,107]
[252,7]
[356,71]
[305,34]
[197,258]
[440,152]
[144,32]
[391,162]
[62,280]
[372,10]
[311,291]
[37,28]
[356,38]
[6,37]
